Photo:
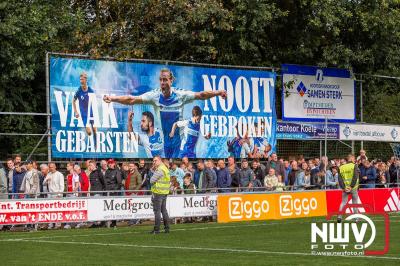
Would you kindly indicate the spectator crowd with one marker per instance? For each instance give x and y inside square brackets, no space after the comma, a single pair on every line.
[107,177]
[27,179]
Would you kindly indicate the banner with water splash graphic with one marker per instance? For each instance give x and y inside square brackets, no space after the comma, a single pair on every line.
[168,110]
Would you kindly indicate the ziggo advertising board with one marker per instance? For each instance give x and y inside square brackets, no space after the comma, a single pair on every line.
[250,207]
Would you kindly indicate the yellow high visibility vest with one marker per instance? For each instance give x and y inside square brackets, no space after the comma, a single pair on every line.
[347,173]
[163,184]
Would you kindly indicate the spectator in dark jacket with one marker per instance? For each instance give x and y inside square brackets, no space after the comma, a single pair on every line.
[96,179]
[234,172]
[144,172]
[277,165]
[199,177]
[369,177]
[258,172]
[288,168]
[18,178]
[224,179]
[113,177]
[293,174]
[246,175]
[113,181]
[314,170]
[210,177]
[382,176]
[394,172]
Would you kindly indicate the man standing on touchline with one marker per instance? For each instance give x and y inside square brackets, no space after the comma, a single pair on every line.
[160,189]
[348,182]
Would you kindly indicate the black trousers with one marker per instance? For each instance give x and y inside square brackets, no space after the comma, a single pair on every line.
[160,207]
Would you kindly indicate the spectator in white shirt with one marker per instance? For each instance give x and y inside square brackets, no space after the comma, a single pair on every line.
[55,181]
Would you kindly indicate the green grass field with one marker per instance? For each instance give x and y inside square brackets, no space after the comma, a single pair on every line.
[253,243]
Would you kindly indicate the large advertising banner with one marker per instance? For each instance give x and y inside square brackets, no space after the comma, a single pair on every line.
[314,94]
[306,131]
[103,109]
[43,211]
[369,132]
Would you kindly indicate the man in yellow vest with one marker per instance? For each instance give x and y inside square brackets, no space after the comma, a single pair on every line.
[160,184]
[348,182]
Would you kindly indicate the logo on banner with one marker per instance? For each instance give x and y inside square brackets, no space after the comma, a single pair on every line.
[289,206]
[354,236]
[350,210]
[393,202]
[301,89]
[394,134]
[347,131]
[240,208]
[246,207]
[319,75]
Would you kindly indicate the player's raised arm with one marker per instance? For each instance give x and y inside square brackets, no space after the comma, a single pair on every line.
[172,133]
[125,99]
[75,108]
[130,126]
[204,95]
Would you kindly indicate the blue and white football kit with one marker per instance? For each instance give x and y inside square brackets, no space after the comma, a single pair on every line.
[191,133]
[153,145]
[169,110]
[260,142]
[83,98]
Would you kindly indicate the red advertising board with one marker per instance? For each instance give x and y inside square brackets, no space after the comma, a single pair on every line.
[378,199]
[43,211]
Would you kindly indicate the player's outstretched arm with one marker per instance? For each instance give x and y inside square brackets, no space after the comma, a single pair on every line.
[125,99]
[204,95]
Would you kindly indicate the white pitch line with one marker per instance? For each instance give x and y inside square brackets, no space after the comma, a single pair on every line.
[145,232]
[199,248]
[180,229]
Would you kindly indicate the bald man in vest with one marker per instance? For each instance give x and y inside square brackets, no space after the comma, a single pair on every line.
[160,183]
[349,182]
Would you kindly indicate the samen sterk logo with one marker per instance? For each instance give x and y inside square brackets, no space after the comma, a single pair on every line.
[355,235]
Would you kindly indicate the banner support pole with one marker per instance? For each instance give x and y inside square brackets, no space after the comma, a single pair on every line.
[48,109]
[361,107]
[326,135]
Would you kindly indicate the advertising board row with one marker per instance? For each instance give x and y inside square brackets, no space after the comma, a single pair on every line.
[228,207]
[102,209]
